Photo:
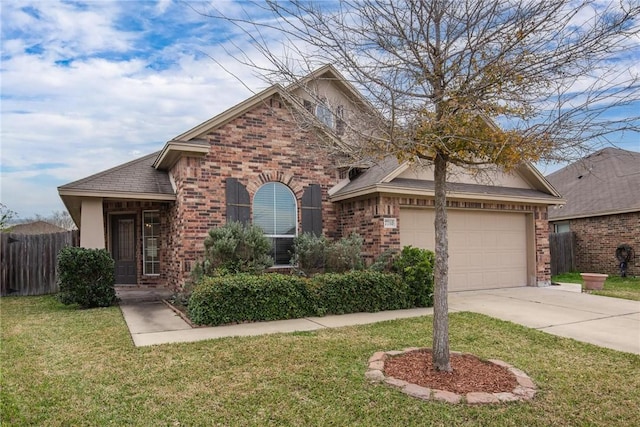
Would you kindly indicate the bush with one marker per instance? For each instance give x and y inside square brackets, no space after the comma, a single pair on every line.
[309,254]
[359,291]
[315,254]
[86,277]
[250,298]
[237,248]
[415,266]
[245,297]
[345,254]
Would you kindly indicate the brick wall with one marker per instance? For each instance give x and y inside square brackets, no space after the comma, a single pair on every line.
[262,145]
[598,237]
[366,218]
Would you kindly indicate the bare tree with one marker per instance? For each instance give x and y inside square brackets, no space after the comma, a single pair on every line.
[6,216]
[442,74]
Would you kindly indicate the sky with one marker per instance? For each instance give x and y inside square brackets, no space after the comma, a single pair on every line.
[86,86]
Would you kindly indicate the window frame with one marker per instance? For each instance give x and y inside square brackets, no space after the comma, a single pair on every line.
[156,260]
[274,237]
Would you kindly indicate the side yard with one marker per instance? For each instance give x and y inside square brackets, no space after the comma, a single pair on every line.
[62,366]
[614,286]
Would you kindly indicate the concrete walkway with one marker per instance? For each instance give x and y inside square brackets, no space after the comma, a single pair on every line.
[559,310]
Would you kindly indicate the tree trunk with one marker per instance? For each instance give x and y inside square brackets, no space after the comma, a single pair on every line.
[440,354]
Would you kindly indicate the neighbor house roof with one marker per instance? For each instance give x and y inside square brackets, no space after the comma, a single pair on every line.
[605,183]
[35,227]
[384,177]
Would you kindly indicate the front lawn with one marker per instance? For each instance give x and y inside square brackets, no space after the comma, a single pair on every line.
[62,366]
[614,286]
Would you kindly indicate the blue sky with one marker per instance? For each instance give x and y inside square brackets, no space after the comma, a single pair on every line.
[89,85]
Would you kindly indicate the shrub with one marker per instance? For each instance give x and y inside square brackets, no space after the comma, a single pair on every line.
[237,248]
[309,254]
[359,291]
[244,297]
[345,254]
[86,277]
[384,261]
[415,266]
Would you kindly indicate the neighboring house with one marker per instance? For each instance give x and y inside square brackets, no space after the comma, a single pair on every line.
[35,227]
[255,163]
[602,193]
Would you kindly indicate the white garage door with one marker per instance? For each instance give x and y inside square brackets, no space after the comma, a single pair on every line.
[486,249]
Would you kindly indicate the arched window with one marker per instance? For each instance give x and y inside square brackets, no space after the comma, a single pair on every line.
[274,210]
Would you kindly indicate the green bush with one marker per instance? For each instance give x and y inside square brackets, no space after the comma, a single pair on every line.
[309,254]
[250,298]
[359,291]
[415,266]
[245,297]
[237,248]
[86,277]
[345,254]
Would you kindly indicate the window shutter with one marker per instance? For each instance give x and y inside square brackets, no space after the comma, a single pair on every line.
[312,210]
[238,202]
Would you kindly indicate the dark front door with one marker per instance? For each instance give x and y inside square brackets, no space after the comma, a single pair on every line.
[123,243]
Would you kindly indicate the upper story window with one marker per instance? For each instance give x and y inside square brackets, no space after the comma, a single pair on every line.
[275,211]
[324,114]
[333,119]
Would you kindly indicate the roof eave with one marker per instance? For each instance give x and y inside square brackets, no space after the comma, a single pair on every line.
[594,214]
[229,114]
[452,194]
[173,150]
[115,194]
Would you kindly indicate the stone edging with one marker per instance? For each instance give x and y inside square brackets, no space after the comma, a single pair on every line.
[525,390]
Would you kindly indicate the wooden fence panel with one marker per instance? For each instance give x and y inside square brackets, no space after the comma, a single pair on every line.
[28,261]
[563,252]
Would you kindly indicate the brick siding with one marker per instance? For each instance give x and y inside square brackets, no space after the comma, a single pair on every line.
[598,237]
[262,145]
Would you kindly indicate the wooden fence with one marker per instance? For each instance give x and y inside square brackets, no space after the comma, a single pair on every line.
[28,261]
[563,252]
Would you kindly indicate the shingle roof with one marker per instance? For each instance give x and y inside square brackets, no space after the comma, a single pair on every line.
[606,182]
[137,176]
[479,189]
[375,175]
[371,176]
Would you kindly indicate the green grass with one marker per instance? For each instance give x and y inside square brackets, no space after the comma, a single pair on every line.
[614,286]
[63,367]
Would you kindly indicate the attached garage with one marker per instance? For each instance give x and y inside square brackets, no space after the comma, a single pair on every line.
[487,249]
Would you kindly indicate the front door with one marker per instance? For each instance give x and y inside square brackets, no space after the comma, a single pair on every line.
[123,248]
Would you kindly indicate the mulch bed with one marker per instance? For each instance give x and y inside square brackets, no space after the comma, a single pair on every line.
[470,374]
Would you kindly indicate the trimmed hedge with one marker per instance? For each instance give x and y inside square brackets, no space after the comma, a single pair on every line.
[251,298]
[359,291]
[245,297]
[86,277]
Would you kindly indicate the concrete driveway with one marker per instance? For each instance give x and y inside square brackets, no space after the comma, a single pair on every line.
[603,321]
[607,322]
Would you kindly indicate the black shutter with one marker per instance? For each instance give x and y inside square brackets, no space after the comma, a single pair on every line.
[312,210]
[238,202]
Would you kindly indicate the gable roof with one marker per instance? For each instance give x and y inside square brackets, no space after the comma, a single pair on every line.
[606,182]
[137,179]
[129,180]
[384,177]
[188,143]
